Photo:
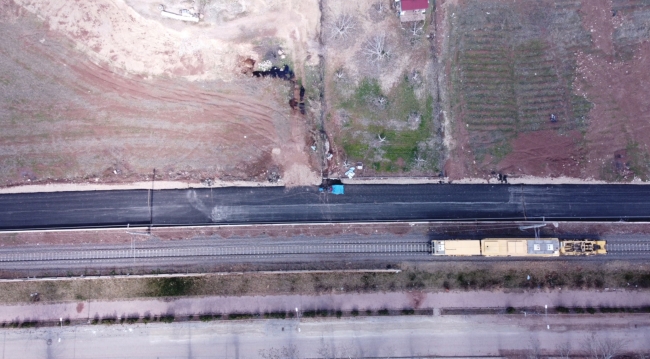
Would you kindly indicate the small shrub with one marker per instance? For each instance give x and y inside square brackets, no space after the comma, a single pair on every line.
[562,310]
[579,310]
[166,318]
[408,311]
[108,321]
[29,324]
[355,312]
[382,312]
[95,321]
[339,314]
[610,310]
[591,310]
[275,315]
[147,318]
[66,322]
[206,317]
[238,316]
[644,309]
[171,287]
[309,314]
[510,310]
[131,320]
[291,315]
[368,312]
[322,313]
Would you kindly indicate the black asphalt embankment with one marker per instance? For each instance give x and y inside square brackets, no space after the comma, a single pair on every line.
[305,204]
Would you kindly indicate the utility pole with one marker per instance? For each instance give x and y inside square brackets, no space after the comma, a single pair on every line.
[153,181]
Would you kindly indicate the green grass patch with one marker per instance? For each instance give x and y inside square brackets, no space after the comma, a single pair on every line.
[171,287]
[387,116]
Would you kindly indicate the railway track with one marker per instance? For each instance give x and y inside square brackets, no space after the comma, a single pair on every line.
[628,248]
[214,251]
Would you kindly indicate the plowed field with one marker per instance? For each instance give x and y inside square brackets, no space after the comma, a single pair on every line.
[547,88]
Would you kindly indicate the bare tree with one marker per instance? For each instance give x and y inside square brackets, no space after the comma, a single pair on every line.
[289,352]
[375,48]
[342,27]
[418,159]
[534,352]
[596,347]
[329,351]
[563,350]
[380,5]
[416,28]
[339,74]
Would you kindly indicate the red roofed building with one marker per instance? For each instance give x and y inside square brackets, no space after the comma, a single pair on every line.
[412,10]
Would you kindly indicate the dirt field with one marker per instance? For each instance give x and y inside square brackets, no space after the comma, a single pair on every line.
[511,65]
[107,91]
[102,92]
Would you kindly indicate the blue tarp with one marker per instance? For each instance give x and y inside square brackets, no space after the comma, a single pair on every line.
[337,189]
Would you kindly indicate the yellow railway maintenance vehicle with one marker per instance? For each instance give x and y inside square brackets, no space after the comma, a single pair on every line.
[517,247]
[520,247]
[582,248]
[456,248]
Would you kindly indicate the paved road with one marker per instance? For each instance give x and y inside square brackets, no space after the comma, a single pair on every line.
[360,337]
[306,204]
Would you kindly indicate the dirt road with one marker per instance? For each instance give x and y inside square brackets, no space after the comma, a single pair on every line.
[366,337]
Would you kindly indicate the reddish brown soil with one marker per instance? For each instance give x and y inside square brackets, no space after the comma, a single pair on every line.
[620,117]
[611,74]
[546,154]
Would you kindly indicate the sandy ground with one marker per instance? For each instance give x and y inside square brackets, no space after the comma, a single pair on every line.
[96,92]
[66,187]
[133,37]
[81,310]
